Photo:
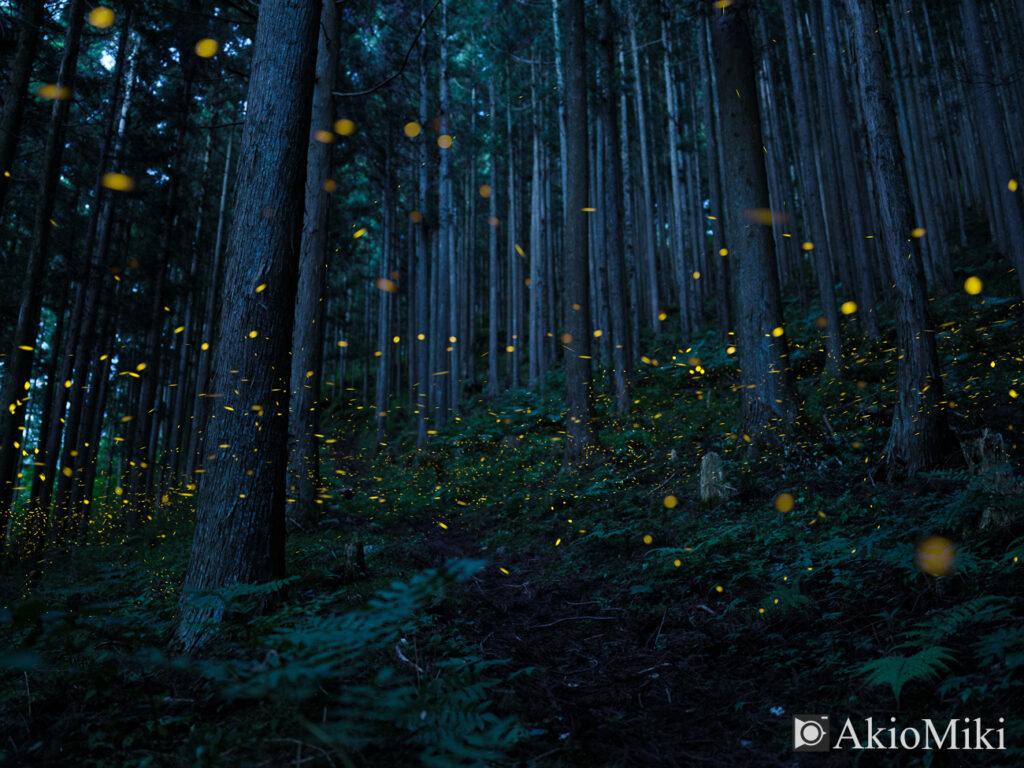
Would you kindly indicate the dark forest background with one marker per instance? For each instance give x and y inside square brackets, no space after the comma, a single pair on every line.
[541,383]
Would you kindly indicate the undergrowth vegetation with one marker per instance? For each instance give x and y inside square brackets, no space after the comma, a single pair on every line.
[515,610]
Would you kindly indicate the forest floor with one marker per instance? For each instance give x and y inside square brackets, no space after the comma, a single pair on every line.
[514,611]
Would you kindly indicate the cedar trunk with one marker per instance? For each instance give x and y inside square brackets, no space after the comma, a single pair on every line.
[578,378]
[308,335]
[920,437]
[239,534]
[769,406]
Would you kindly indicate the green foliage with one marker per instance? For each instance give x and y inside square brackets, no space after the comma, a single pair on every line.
[356,681]
[897,671]
[372,685]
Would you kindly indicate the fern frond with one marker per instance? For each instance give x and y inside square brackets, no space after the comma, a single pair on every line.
[897,671]
[946,622]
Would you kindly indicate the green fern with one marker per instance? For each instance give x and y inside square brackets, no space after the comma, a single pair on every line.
[946,622]
[897,671]
[1001,644]
[353,668]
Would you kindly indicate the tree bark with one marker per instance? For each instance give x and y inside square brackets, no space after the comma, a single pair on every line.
[239,534]
[856,202]
[17,88]
[768,398]
[538,364]
[201,404]
[677,246]
[18,370]
[580,437]
[493,271]
[648,261]
[424,336]
[308,334]
[94,256]
[995,149]
[614,210]
[920,438]
[814,213]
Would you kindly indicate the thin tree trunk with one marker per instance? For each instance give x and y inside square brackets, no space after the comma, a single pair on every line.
[425,333]
[514,282]
[384,382]
[580,437]
[999,160]
[18,369]
[54,399]
[94,255]
[712,142]
[677,247]
[856,204]
[648,261]
[629,222]
[17,89]
[201,407]
[613,210]
[814,213]
[538,365]
[493,270]
[308,333]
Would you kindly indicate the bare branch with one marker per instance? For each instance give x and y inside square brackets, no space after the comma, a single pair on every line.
[401,69]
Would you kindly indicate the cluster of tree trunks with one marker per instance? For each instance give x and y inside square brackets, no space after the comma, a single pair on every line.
[643,174]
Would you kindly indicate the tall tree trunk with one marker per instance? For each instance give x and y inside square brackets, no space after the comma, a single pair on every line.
[100,217]
[856,202]
[514,281]
[538,365]
[920,437]
[54,399]
[493,271]
[560,87]
[425,334]
[813,211]
[579,430]
[630,220]
[614,209]
[768,398]
[17,88]
[384,386]
[239,533]
[18,370]
[85,462]
[201,405]
[447,214]
[677,246]
[308,334]
[713,161]
[998,159]
[648,261]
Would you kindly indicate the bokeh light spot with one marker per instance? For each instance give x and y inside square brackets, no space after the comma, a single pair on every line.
[936,555]
[784,502]
[101,17]
[207,48]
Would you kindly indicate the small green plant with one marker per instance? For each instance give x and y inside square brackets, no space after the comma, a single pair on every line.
[896,671]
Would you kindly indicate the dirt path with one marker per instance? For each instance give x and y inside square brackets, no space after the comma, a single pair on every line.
[614,682]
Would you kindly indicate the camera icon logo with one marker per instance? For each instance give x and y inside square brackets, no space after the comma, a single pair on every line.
[810,733]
